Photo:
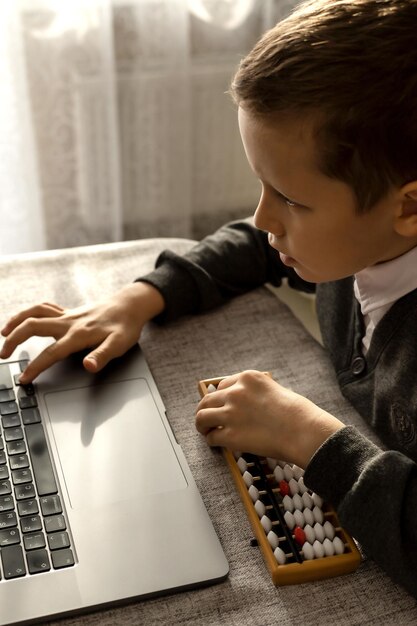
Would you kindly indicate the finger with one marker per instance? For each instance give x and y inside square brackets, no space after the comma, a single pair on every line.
[217,437]
[52,354]
[214,399]
[40,310]
[111,347]
[49,327]
[228,381]
[207,419]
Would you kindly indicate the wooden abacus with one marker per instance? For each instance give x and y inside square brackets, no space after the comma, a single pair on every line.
[299,535]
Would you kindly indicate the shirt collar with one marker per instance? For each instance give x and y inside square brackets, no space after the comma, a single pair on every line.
[383,284]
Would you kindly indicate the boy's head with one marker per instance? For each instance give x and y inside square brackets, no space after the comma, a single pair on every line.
[350,68]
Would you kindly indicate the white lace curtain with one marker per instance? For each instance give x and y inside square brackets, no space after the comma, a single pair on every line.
[114,121]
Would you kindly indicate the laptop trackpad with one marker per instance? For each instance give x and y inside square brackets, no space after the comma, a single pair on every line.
[112,443]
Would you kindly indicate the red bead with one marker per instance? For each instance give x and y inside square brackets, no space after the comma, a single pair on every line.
[284,488]
[299,535]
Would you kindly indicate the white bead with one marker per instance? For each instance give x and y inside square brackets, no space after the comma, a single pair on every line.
[248,479]
[293,485]
[297,472]
[339,546]
[301,486]
[279,474]
[299,518]
[279,554]
[273,539]
[254,493]
[282,463]
[308,551]
[260,508]
[318,501]
[289,519]
[308,500]
[328,546]
[266,523]
[309,533]
[211,388]
[288,503]
[298,502]
[288,473]
[309,517]
[329,530]
[318,515]
[272,463]
[318,549]
[319,530]
[242,465]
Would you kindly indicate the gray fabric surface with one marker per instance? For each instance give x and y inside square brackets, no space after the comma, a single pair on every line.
[254,331]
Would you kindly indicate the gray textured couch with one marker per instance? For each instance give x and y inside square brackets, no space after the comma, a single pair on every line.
[217,343]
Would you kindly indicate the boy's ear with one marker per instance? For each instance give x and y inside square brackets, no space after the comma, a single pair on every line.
[406,219]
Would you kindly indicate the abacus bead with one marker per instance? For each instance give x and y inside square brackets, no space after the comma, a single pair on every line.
[298,503]
[242,465]
[254,493]
[272,463]
[318,515]
[318,549]
[308,500]
[288,503]
[279,473]
[309,517]
[318,501]
[248,479]
[289,519]
[211,388]
[308,551]
[293,485]
[288,474]
[328,546]
[260,508]
[301,486]
[309,533]
[339,546]
[273,539]
[319,530]
[299,535]
[279,554]
[284,488]
[299,518]
[266,523]
[329,530]
[297,472]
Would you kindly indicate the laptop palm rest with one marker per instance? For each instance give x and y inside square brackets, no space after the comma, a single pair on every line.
[95,427]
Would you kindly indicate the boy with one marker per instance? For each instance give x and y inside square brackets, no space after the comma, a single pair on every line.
[328,116]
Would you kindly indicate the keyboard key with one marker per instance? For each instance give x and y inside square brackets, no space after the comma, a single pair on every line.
[51,505]
[38,561]
[13,562]
[5,487]
[55,523]
[11,421]
[3,457]
[62,558]
[19,461]
[16,447]
[27,507]
[9,537]
[1,443]
[8,519]
[31,524]
[5,377]
[30,416]
[6,395]
[41,462]
[6,503]
[7,408]
[13,434]
[35,541]
[25,401]
[4,472]
[57,541]
[25,491]
[22,476]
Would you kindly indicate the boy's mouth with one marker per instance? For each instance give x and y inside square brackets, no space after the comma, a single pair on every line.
[287,260]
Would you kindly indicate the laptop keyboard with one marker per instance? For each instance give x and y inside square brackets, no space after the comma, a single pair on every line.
[34,534]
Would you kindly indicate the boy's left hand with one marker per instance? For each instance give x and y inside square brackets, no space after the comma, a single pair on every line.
[251,412]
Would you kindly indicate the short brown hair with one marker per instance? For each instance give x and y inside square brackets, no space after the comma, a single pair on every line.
[353,65]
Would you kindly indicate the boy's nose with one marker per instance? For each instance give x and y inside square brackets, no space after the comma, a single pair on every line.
[266,218]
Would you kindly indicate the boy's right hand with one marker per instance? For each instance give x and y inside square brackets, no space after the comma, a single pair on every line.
[110,328]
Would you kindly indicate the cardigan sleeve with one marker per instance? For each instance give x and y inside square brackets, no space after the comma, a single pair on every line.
[375,494]
[232,261]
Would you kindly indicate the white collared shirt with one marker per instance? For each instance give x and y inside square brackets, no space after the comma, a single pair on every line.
[378,287]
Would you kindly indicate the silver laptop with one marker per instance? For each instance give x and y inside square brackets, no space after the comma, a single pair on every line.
[97,502]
